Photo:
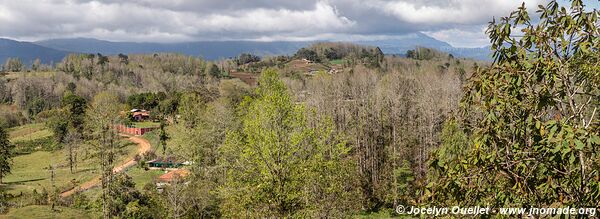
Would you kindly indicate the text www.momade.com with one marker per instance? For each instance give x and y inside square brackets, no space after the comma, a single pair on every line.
[479,210]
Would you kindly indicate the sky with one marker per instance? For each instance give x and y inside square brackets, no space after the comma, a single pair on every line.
[461,23]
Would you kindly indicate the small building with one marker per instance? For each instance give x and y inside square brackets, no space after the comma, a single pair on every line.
[168,178]
[133,130]
[165,162]
[140,115]
[173,175]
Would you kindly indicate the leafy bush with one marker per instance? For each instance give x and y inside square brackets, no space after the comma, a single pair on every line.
[28,147]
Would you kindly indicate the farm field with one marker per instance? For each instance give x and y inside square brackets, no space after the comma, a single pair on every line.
[44,211]
[32,171]
[29,132]
[303,67]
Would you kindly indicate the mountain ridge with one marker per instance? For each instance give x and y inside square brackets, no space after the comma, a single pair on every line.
[28,52]
[53,50]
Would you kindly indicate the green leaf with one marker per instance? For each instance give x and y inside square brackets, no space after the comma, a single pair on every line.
[594,140]
[579,145]
[572,159]
[557,148]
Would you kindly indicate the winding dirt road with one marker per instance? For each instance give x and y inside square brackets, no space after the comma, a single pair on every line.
[143,146]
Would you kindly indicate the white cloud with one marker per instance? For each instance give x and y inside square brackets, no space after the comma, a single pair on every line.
[323,18]
[343,37]
[190,20]
[467,37]
[128,21]
[449,11]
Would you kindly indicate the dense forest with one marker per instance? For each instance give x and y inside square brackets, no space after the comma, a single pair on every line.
[336,130]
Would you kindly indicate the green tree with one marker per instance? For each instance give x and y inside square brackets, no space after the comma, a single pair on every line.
[169,106]
[163,136]
[122,192]
[146,101]
[188,108]
[422,53]
[213,70]
[123,59]
[6,153]
[280,165]
[58,125]
[76,107]
[307,54]
[102,60]
[36,106]
[532,116]
[246,58]
[71,87]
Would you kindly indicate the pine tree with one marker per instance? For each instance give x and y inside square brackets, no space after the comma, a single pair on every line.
[163,137]
[6,153]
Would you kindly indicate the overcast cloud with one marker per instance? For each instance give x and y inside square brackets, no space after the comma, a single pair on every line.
[459,22]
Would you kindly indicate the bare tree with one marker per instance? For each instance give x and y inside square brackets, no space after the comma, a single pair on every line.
[72,141]
[102,116]
[176,196]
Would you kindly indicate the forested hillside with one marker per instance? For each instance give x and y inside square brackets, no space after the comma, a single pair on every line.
[342,97]
[336,130]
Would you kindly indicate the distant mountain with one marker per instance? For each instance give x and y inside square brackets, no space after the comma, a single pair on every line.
[211,50]
[401,44]
[53,51]
[28,52]
[482,53]
[407,42]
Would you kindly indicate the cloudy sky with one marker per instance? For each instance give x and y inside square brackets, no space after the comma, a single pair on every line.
[459,22]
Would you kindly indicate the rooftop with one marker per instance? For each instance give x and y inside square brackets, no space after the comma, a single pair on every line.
[170,176]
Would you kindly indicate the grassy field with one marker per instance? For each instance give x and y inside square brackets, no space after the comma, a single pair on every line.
[141,177]
[31,171]
[44,211]
[152,137]
[30,138]
[146,124]
[336,62]
[29,132]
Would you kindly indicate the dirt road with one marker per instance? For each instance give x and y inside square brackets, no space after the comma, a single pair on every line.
[143,146]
